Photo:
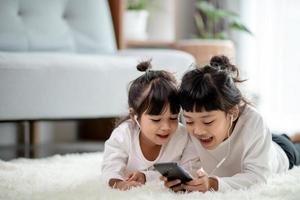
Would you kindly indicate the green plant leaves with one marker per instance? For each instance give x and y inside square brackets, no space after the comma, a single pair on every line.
[209,19]
[236,25]
[137,4]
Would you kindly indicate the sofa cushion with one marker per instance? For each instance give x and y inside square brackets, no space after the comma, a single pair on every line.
[56,86]
[56,25]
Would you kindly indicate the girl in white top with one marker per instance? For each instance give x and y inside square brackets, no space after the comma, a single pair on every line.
[149,135]
[231,139]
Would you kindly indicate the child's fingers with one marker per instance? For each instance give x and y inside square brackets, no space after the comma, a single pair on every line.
[135,184]
[199,184]
[130,184]
[131,177]
[163,178]
[201,172]
[173,183]
[198,181]
[178,188]
[191,188]
[139,177]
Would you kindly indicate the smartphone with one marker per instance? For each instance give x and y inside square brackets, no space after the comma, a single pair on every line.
[173,171]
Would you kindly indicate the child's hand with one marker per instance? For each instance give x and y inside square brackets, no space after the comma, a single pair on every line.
[201,184]
[174,185]
[137,176]
[126,185]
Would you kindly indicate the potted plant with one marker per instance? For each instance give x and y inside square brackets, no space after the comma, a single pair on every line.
[213,25]
[135,20]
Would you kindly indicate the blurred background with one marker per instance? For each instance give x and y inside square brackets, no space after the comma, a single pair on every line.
[260,36]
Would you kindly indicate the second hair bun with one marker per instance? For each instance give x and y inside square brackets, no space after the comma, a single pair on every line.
[221,61]
[144,66]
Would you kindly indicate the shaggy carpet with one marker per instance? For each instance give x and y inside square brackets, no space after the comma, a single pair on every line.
[76,176]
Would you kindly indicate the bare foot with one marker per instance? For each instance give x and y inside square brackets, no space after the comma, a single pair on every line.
[295,138]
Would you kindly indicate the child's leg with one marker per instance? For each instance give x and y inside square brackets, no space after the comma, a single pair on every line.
[295,138]
[297,147]
[292,151]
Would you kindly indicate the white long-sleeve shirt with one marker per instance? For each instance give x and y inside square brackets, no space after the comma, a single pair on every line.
[252,158]
[123,154]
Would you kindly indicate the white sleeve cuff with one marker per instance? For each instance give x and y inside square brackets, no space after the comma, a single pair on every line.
[222,185]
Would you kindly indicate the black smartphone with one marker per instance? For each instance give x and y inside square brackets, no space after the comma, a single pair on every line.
[173,171]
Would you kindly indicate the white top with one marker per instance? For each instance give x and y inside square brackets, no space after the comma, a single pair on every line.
[122,153]
[253,155]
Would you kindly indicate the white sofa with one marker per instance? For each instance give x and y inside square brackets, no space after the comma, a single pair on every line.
[58,60]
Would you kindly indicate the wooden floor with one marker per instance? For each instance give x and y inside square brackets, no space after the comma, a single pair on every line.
[46,150]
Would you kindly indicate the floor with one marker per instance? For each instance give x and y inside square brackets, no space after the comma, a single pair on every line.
[78,177]
[46,150]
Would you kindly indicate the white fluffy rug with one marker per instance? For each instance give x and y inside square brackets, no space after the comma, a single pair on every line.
[76,176]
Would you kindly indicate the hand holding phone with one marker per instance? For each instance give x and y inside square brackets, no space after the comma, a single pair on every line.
[173,171]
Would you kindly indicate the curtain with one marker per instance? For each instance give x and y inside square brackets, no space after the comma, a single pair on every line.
[271,60]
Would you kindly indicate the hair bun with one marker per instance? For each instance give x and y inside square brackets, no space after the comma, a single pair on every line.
[221,62]
[144,66]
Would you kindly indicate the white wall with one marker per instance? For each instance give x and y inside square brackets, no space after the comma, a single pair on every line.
[161,22]
[171,20]
[185,25]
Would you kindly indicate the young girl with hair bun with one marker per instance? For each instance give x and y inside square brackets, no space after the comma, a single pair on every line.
[233,142]
[150,134]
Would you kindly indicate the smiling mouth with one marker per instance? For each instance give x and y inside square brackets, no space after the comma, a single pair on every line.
[206,140]
[163,136]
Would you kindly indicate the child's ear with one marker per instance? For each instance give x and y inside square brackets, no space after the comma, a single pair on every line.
[234,112]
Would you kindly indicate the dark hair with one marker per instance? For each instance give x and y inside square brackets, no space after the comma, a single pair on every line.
[212,87]
[152,92]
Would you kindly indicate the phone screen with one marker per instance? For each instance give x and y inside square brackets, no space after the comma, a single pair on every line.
[173,171]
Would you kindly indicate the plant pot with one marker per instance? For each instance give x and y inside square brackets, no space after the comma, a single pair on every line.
[161,22]
[203,49]
[135,24]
